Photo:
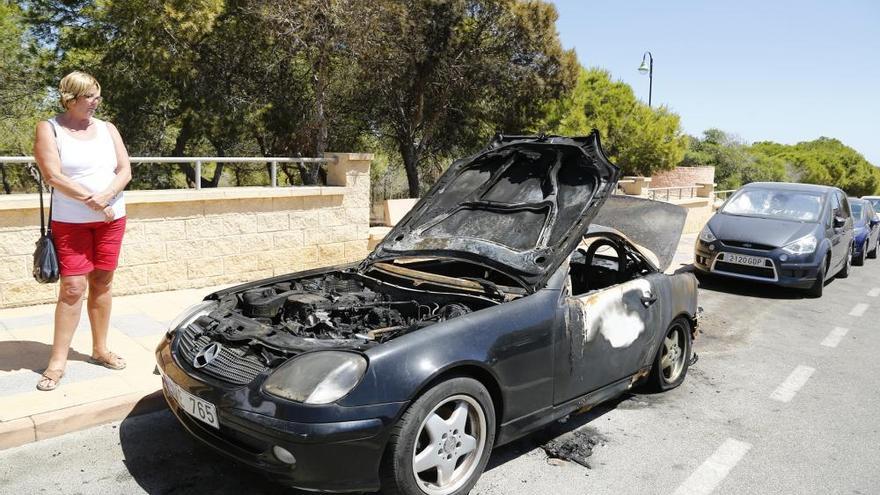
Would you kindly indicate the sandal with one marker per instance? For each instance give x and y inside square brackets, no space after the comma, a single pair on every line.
[109,360]
[50,379]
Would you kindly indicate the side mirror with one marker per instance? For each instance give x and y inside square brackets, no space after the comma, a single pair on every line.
[839,222]
[874,222]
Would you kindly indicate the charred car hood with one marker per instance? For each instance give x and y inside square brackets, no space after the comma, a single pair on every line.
[519,207]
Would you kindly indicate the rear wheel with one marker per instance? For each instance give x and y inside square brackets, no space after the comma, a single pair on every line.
[442,443]
[673,357]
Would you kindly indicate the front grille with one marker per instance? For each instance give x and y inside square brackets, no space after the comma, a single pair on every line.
[749,245]
[752,271]
[232,365]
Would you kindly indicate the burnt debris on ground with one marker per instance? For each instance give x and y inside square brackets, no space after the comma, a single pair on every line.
[575,446]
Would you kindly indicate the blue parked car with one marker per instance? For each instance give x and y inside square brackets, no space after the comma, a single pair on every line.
[793,235]
[865,230]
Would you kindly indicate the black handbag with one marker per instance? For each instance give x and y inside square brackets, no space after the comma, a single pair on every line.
[46,269]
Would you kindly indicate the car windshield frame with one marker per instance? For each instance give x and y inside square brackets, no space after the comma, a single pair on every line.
[776,204]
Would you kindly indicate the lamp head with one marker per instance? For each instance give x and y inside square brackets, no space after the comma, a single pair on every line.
[644,68]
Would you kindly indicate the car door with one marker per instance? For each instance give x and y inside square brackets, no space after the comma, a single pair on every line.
[835,234]
[609,335]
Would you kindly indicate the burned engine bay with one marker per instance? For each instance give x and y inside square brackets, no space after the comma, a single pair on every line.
[341,309]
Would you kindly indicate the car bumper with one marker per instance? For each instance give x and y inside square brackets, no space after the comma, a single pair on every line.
[335,456]
[780,268]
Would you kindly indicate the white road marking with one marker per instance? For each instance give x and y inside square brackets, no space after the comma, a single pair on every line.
[874,292]
[859,309]
[715,469]
[797,379]
[835,336]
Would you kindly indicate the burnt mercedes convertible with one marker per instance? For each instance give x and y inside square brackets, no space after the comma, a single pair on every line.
[505,300]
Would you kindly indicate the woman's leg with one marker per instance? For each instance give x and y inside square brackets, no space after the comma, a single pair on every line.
[100,302]
[67,313]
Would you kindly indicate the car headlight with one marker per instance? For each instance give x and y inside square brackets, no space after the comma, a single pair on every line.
[706,235]
[804,245]
[190,314]
[318,377]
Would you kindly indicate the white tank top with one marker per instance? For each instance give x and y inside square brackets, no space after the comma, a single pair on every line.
[91,164]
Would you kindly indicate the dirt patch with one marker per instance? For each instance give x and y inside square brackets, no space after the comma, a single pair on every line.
[575,446]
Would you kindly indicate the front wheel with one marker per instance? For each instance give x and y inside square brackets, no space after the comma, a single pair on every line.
[443,441]
[844,272]
[673,357]
[873,253]
[819,285]
[860,259]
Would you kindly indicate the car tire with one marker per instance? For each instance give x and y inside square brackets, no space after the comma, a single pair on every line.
[873,253]
[847,262]
[819,285]
[673,357]
[860,260]
[441,444]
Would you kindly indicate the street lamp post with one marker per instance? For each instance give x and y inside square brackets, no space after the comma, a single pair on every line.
[648,68]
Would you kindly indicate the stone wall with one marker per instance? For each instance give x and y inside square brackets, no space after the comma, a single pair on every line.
[187,238]
[683,176]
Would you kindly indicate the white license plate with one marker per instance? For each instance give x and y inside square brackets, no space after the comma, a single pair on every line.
[200,409]
[744,259]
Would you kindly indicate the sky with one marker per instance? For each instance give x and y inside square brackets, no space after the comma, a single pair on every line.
[784,71]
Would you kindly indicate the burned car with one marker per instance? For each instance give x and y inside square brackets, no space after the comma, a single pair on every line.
[499,304]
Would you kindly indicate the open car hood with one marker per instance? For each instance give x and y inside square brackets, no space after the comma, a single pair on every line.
[520,207]
[653,226]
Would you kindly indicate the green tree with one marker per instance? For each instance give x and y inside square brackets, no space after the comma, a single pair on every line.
[637,138]
[21,95]
[827,161]
[439,77]
[735,162]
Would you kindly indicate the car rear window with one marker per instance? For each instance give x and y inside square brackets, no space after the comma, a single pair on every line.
[856,209]
[786,205]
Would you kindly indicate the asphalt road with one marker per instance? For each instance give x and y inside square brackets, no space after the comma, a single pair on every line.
[784,399]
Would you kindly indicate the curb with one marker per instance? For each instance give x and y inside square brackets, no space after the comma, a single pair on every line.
[54,423]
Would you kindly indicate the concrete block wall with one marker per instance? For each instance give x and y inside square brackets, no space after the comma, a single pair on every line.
[683,176]
[186,238]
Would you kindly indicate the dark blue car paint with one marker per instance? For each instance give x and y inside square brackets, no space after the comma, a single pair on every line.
[770,235]
[516,346]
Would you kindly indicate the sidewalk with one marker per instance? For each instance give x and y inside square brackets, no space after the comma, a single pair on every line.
[90,395]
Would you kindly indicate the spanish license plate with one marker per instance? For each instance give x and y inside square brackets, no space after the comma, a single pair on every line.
[198,408]
[744,259]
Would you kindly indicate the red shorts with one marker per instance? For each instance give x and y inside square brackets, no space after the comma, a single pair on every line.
[83,247]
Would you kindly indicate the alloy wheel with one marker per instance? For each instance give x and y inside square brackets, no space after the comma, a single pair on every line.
[673,357]
[449,445]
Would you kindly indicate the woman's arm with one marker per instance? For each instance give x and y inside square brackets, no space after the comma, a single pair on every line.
[100,200]
[46,155]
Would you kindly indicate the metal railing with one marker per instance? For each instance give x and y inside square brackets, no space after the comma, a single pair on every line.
[723,195]
[198,161]
[665,193]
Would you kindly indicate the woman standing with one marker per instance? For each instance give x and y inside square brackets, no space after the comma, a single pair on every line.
[85,160]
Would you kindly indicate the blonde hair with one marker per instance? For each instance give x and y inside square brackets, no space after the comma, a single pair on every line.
[75,85]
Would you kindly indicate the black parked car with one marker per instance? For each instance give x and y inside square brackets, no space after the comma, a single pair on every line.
[495,307]
[794,235]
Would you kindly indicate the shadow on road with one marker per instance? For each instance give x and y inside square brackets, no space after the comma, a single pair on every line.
[750,288]
[164,459]
[517,448]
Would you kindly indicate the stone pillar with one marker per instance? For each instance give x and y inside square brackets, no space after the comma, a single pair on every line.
[352,171]
[637,186]
[706,189]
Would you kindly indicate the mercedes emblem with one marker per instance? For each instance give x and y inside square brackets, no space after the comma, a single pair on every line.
[207,354]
